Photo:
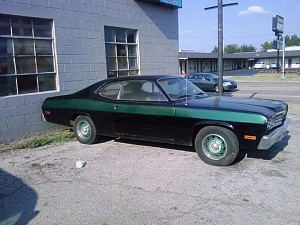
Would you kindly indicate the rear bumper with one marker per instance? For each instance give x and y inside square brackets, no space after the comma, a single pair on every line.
[275,136]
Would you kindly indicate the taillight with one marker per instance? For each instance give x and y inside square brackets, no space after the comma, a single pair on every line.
[47,112]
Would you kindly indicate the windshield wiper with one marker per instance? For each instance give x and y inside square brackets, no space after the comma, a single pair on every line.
[184,96]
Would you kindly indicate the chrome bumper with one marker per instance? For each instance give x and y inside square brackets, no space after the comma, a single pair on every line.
[275,136]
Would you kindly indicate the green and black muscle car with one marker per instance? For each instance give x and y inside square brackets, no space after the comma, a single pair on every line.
[170,109]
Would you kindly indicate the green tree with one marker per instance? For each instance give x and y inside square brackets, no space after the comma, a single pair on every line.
[266,46]
[215,50]
[232,48]
[294,40]
[247,48]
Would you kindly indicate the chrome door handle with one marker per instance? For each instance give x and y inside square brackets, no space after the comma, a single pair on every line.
[115,106]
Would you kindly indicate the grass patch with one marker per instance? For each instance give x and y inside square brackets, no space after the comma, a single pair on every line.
[268,77]
[38,141]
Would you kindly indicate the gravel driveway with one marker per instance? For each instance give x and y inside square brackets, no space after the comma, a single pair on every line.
[126,182]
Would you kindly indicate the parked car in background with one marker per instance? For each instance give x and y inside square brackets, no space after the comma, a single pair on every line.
[259,65]
[274,66]
[170,109]
[209,82]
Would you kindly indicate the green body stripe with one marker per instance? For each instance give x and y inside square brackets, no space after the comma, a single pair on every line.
[212,114]
[208,114]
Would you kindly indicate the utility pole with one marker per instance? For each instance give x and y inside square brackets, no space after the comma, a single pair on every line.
[220,41]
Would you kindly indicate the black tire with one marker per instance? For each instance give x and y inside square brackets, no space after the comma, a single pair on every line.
[85,130]
[216,146]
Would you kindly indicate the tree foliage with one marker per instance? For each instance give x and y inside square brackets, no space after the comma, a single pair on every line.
[234,48]
[293,40]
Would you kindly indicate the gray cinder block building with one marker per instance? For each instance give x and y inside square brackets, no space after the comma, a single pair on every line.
[55,47]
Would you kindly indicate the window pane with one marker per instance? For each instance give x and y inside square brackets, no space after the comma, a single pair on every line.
[133,72]
[110,50]
[47,82]
[21,26]
[42,28]
[121,57]
[7,65]
[45,64]
[23,47]
[8,86]
[120,35]
[132,63]
[123,73]
[131,36]
[109,34]
[122,63]
[111,63]
[25,65]
[132,50]
[121,50]
[6,47]
[111,74]
[43,47]
[4,25]
[27,84]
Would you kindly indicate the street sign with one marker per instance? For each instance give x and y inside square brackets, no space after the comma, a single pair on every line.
[278,25]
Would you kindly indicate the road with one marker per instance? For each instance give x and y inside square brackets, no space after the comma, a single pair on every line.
[287,91]
[130,182]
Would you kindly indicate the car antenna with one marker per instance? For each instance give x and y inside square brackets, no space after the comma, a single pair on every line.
[186,102]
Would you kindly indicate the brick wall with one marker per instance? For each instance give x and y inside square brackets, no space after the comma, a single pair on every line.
[80,50]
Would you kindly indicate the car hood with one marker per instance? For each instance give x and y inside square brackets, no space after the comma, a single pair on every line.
[265,107]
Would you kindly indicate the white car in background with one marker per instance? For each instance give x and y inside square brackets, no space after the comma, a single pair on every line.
[259,65]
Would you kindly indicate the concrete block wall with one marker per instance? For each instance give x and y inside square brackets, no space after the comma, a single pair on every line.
[80,50]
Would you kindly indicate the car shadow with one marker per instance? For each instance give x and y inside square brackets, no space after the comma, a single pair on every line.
[156,144]
[269,154]
[17,200]
[272,152]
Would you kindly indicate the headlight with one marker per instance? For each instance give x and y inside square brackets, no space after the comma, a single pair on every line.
[226,83]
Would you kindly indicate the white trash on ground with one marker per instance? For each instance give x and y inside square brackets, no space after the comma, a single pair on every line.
[80,164]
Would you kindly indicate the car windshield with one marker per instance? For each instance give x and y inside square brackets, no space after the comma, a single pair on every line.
[178,88]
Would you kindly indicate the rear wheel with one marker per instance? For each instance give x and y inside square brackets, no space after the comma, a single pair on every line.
[85,130]
[217,146]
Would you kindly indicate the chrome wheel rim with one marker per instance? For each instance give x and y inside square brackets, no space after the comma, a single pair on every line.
[214,146]
[84,130]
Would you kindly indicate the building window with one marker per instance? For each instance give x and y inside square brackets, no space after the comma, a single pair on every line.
[27,62]
[121,51]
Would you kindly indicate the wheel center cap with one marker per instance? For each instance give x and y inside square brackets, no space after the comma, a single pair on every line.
[215,146]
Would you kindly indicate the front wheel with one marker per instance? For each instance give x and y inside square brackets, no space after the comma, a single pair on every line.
[216,87]
[217,146]
[85,130]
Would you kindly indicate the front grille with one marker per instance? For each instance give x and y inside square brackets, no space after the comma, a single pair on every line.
[277,120]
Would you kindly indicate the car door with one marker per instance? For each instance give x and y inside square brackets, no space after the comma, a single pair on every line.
[203,82]
[197,80]
[143,112]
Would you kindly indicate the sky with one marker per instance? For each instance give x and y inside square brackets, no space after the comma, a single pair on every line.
[249,22]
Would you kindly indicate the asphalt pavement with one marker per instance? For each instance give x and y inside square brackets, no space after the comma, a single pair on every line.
[285,91]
